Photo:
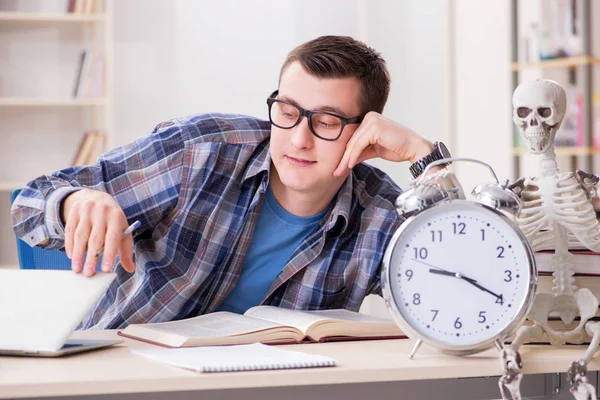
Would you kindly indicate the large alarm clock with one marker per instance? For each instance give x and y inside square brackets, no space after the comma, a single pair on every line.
[458,274]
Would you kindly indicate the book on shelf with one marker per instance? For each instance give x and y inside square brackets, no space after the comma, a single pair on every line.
[557,324]
[90,147]
[265,324]
[592,282]
[583,261]
[89,79]
[85,7]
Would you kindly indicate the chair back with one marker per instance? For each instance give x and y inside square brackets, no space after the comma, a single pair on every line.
[37,257]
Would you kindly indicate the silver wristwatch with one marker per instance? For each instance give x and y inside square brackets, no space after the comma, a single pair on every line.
[439,151]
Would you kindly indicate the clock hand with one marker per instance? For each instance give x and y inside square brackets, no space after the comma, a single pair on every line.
[440,271]
[459,276]
[477,285]
[454,274]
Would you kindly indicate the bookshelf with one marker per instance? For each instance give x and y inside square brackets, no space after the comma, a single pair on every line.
[43,120]
[579,68]
[33,17]
[41,102]
[564,62]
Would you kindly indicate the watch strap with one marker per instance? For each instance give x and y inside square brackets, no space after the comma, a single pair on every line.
[419,166]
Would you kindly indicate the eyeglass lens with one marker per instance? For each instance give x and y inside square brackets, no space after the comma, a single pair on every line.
[324,125]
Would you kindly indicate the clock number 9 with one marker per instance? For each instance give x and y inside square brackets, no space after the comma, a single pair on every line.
[409,274]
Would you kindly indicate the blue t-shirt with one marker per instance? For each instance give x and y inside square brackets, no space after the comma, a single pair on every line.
[276,236]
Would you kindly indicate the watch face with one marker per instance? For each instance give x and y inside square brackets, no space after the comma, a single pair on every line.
[459,275]
[443,150]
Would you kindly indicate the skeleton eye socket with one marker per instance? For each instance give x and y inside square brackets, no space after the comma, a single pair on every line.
[522,112]
[544,112]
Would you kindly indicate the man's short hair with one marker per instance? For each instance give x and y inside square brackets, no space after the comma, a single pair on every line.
[345,57]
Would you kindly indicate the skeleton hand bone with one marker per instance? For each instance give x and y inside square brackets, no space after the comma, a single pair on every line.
[510,382]
[581,389]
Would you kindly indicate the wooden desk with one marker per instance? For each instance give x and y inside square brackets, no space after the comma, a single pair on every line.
[116,371]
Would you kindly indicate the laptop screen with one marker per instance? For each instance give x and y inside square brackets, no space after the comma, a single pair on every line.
[40,309]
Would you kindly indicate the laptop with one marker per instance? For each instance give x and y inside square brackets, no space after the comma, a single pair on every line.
[40,309]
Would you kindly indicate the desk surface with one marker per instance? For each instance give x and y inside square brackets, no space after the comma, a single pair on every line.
[116,370]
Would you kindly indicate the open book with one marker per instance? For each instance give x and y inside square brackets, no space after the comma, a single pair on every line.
[265,324]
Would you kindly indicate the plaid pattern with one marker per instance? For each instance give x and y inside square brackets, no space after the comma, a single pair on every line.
[197,185]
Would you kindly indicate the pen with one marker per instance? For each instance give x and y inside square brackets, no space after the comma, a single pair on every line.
[126,232]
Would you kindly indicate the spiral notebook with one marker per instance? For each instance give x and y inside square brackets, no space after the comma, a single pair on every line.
[247,357]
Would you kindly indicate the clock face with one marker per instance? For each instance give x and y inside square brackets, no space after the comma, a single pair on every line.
[460,274]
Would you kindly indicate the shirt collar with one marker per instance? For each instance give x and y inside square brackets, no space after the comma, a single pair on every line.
[343,202]
[341,207]
[260,163]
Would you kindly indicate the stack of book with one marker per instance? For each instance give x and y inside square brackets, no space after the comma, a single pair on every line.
[586,265]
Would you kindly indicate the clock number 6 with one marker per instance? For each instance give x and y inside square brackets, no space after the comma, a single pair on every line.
[457,323]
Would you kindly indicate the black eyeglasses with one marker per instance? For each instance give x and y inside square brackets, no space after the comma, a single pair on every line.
[322,124]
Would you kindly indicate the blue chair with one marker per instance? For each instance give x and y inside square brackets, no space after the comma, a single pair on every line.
[38,258]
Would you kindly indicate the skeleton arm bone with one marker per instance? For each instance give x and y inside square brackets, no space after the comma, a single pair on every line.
[588,182]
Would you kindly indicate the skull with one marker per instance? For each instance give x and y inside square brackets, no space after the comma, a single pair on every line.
[538,110]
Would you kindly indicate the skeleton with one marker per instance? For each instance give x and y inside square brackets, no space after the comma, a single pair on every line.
[557,211]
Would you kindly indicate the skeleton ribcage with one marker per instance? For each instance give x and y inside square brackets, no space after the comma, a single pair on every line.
[548,202]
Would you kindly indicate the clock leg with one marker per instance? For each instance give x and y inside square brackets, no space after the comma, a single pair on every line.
[415,348]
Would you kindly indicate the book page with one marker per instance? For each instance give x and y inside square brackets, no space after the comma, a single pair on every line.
[347,315]
[218,324]
[298,319]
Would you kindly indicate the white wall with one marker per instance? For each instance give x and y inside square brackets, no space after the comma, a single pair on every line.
[187,56]
[411,35]
[481,108]
[208,56]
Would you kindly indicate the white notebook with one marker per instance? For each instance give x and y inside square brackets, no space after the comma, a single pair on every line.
[247,357]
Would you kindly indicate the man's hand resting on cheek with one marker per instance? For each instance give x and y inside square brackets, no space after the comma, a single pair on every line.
[381,137]
[94,220]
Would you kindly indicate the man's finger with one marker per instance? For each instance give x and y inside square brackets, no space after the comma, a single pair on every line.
[342,166]
[361,144]
[81,236]
[95,244]
[72,222]
[112,241]
[126,253]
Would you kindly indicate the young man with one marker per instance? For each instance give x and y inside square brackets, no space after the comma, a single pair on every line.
[236,211]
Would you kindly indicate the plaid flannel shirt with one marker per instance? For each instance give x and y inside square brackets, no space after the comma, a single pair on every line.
[197,184]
